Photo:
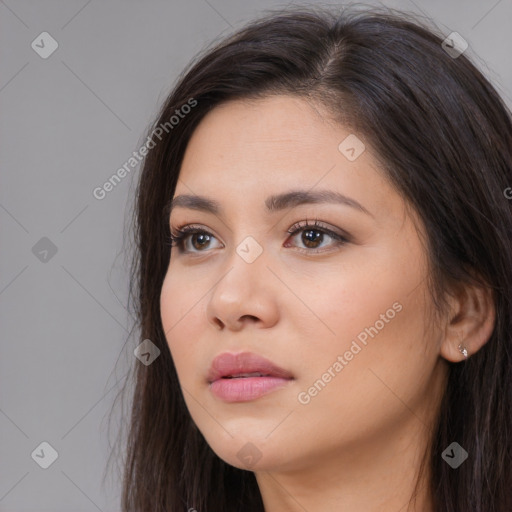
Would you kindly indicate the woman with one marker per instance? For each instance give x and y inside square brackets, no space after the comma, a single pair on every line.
[324,264]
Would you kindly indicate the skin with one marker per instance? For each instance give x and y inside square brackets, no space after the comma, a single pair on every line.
[357,444]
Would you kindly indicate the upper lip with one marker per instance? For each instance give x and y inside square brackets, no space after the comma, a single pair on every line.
[228,364]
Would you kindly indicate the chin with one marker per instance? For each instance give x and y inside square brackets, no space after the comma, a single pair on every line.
[250,456]
[249,446]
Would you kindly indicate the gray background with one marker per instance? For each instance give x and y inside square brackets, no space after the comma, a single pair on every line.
[68,123]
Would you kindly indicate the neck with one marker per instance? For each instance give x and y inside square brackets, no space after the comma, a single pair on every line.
[380,478]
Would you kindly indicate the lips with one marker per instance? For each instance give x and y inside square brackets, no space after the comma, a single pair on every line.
[244,365]
[245,377]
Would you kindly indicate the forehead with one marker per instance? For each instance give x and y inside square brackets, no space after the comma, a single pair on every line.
[244,151]
[271,132]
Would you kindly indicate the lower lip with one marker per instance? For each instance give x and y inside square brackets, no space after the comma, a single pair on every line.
[244,389]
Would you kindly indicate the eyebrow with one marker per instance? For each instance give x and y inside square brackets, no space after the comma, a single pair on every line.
[273,203]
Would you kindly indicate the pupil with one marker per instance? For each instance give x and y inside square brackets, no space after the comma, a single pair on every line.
[203,236]
[310,237]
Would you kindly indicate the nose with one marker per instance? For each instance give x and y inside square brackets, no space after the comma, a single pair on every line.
[245,294]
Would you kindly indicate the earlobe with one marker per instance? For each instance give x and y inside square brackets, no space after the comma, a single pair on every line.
[470,323]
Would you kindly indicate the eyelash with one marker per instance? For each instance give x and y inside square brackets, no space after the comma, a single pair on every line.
[179,236]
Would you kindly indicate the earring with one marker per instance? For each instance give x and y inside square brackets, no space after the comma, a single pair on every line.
[463,350]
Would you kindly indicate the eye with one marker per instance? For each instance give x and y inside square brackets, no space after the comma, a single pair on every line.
[199,238]
[313,234]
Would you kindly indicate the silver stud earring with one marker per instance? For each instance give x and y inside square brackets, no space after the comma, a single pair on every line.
[463,350]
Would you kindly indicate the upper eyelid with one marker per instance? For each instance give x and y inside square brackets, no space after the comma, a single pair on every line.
[302,224]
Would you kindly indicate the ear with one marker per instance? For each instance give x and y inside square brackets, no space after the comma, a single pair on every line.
[470,321]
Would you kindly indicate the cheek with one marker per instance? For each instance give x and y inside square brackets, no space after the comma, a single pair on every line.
[375,320]
[339,304]
[182,312]
[379,335]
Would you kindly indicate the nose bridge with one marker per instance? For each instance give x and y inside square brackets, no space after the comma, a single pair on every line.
[250,249]
[247,239]
[246,265]
[243,289]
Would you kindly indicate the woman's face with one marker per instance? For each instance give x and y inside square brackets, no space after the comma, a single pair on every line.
[346,319]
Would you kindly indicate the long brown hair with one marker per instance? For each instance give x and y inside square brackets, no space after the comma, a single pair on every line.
[443,137]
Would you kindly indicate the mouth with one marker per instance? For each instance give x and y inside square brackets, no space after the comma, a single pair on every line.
[245,376]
